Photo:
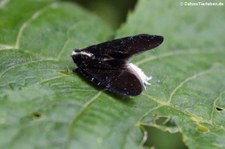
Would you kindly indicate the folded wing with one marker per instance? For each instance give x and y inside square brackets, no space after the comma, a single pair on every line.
[123,82]
[127,46]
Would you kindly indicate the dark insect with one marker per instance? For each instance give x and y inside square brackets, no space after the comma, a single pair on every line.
[106,64]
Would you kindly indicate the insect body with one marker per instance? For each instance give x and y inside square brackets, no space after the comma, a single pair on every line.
[106,64]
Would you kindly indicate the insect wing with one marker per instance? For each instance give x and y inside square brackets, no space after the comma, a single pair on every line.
[127,46]
[123,81]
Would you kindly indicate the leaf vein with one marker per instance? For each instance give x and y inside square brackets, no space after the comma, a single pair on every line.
[77,115]
[6,47]
[214,105]
[23,64]
[67,41]
[200,119]
[26,23]
[187,80]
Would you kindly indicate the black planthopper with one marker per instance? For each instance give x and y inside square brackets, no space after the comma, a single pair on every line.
[106,64]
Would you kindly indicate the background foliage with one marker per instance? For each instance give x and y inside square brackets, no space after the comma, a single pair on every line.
[43,104]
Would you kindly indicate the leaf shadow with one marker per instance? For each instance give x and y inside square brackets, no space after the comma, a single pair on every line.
[121,98]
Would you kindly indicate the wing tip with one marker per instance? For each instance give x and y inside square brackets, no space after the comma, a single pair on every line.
[159,39]
[154,38]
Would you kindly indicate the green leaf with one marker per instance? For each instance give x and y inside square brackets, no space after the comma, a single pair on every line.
[188,70]
[43,104]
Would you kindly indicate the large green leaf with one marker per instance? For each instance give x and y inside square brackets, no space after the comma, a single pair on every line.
[188,69]
[43,104]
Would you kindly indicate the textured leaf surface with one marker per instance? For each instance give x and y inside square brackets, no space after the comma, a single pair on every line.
[44,105]
[188,69]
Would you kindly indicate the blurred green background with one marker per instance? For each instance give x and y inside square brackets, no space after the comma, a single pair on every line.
[114,13]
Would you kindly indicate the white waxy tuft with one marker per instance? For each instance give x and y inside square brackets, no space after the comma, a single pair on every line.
[141,74]
[82,53]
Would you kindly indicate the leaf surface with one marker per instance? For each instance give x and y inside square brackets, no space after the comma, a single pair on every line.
[45,105]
